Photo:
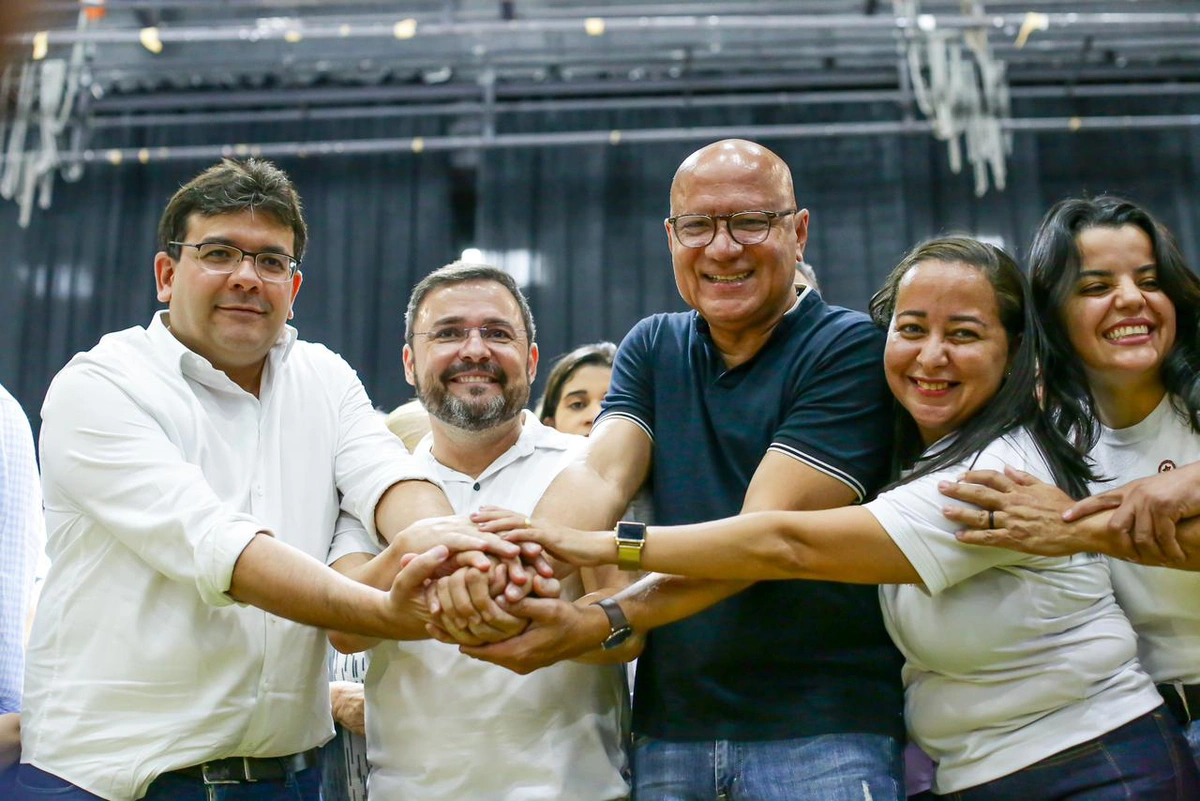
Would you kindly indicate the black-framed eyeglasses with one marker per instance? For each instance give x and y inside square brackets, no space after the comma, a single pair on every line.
[458,334]
[217,257]
[745,227]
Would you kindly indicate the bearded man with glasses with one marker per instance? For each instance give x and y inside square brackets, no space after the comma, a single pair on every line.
[193,472]
[762,397]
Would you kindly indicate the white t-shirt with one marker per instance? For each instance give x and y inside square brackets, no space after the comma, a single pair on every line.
[1010,658]
[1162,603]
[441,725]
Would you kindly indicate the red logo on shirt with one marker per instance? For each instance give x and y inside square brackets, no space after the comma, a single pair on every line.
[1166,465]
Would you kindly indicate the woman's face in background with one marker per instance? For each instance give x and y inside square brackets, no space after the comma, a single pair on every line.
[580,400]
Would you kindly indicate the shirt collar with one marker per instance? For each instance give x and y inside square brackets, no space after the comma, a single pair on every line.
[534,434]
[193,365]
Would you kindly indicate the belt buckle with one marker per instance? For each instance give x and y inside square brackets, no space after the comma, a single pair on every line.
[209,781]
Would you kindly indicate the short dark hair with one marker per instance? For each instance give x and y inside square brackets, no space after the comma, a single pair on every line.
[1015,403]
[1054,263]
[229,188]
[600,354]
[461,272]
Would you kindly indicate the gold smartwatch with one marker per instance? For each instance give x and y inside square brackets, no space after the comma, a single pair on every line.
[631,537]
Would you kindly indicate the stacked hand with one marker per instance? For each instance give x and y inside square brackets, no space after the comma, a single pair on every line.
[465,591]
[486,585]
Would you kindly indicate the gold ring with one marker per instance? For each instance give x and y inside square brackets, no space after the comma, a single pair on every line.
[528,523]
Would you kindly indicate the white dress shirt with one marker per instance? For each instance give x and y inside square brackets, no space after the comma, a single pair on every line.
[22,537]
[158,470]
[444,727]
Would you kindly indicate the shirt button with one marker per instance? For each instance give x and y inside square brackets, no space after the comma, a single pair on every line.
[477,486]
[258,489]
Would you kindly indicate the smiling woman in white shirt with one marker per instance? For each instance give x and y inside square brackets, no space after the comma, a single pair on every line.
[1021,677]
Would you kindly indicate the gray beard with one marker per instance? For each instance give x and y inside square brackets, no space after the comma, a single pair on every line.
[472,416]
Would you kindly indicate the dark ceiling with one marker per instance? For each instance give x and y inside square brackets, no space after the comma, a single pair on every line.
[942,65]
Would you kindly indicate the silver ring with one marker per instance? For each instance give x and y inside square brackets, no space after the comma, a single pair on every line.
[991,519]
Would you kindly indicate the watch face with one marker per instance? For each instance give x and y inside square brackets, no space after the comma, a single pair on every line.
[617,637]
[631,532]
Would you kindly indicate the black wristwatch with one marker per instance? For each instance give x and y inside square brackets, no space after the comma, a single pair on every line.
[618,624]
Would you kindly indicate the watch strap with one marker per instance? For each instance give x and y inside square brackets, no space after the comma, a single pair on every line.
[619,628]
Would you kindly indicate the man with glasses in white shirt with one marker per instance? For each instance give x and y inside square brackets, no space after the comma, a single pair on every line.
[442,726]
[193,472]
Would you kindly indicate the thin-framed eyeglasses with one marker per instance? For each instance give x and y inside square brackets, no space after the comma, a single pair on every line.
[217,257]
[459,334]
[745,227]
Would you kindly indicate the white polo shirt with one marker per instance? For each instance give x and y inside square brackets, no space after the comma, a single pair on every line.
[443,726]
[158,470]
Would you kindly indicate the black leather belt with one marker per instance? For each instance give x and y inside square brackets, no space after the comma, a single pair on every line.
[1183,700]
[237,770]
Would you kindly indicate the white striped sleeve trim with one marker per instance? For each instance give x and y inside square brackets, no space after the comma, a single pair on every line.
[637,421]
[826,468]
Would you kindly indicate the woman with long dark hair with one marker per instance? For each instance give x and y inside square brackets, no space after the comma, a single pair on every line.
[1021,679]
[1122,368]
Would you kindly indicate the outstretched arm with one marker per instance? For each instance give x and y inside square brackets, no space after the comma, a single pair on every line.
[1148,509]
[857,549]
[1028,516]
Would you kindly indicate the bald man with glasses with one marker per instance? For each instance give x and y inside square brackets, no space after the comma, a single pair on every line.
[761,397]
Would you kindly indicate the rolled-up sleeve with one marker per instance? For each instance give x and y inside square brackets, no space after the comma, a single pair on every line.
[107,458]
[370,458]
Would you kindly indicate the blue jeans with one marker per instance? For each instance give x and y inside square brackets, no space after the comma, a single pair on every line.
[832,767]
[37,785]
[1146,759]
[1192,732]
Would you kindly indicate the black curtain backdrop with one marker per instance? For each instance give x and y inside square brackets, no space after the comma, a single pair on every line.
[581,225]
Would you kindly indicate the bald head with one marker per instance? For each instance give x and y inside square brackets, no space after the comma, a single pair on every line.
[734,158]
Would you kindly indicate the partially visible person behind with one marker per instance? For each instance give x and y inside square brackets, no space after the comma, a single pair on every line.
[1122,310]
[344,761]
[807,276]
[410,422]
[1020,679]
[193,472]
[22,538]
[440,725]
[577,384]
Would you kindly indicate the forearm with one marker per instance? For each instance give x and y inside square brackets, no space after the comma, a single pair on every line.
[1095,535]
[407,502]
[358,566]
[10,739]
[750,547]
[606,500]
[286,582]
[845,544]
[627,651]
[659,599]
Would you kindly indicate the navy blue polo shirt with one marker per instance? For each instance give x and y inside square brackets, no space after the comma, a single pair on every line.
[783,658]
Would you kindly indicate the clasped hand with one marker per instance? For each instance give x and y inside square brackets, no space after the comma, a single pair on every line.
[471,596]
